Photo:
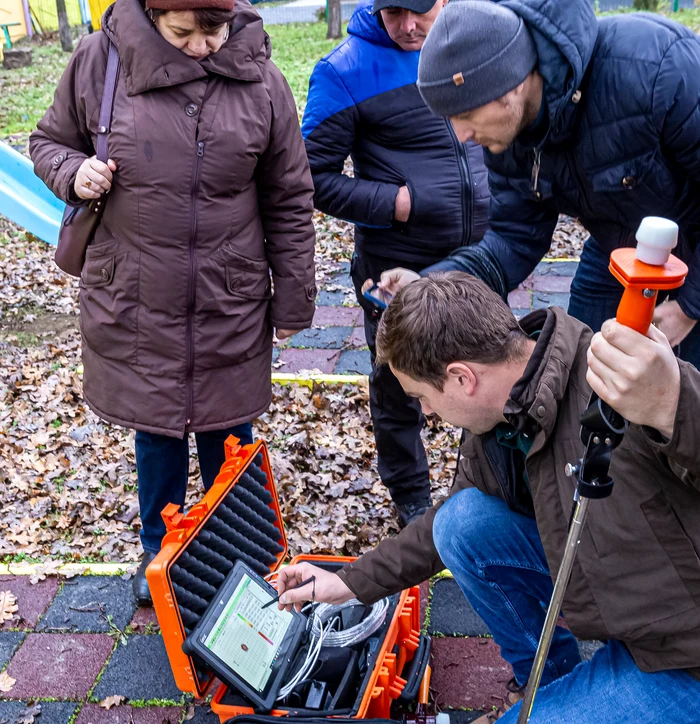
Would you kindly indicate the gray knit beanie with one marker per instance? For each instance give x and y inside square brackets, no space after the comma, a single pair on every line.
[476,52]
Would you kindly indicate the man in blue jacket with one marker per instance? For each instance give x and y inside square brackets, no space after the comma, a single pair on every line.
[417,194]
[597,119]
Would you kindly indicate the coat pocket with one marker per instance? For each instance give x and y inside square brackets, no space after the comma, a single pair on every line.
[109,301]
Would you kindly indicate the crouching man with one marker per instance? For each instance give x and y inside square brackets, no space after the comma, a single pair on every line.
[518,390]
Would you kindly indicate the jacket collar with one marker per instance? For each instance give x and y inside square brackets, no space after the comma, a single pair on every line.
[150,62]
[559,354]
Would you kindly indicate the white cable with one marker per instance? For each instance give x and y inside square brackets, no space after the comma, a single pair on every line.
[353,635]
[323,618]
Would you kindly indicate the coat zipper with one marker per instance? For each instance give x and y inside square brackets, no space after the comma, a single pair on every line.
[535,178]
[494,469]
[191,283]
[465,178]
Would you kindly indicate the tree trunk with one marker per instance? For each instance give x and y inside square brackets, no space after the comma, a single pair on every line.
[335,25]
[64,27]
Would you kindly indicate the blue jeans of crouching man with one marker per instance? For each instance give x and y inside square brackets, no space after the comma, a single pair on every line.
[162,464]
[496,557]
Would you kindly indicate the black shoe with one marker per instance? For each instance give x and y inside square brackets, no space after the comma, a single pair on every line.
[140,584]
[409,512]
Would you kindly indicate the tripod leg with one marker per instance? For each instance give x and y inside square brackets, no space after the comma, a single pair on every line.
[567,564]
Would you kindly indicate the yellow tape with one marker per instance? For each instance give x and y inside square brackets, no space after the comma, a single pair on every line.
[310,379]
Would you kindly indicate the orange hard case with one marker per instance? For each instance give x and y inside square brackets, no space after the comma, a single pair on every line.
[401,640]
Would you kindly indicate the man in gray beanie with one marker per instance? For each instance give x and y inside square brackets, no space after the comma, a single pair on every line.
[596,119]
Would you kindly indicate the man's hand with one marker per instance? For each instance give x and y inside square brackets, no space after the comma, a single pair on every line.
[286,333]
[329,588]
[636,375]
[393,281]
[672,321]
[402,205]
[94,178]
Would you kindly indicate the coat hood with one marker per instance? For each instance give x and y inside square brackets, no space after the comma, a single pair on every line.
[149,61]
[363,24]
[565,35]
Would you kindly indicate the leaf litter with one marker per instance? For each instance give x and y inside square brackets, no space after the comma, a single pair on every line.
[69,479]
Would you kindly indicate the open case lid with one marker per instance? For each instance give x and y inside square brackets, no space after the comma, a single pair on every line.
[238,518]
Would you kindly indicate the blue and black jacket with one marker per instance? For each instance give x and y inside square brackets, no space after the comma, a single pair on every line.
[623,142]
[363,102]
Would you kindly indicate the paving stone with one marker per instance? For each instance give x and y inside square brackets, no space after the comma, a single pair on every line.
[344,266]
[330,299]
[451,614]
[355,362]
[144,616]
[341,278]
[460,716]
[85,603]
[520,299]
[557,268]
[9,641]
[588,648]
[95,714]
[275,353]
[542,300]
[204,715]
[551,283]
[469,673]
[62,666]
[308,359]
[44,712]
[324,338]
[32,600]
[520,313]
[338,316]
[358,339]
[147,656]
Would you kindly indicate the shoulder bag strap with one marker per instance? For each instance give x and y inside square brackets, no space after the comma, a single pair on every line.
[110,88]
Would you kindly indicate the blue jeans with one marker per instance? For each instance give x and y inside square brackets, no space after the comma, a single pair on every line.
[595,295]
[496,557]
[162,464]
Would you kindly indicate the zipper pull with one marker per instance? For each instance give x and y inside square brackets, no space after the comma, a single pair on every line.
[200,149]
[536,174]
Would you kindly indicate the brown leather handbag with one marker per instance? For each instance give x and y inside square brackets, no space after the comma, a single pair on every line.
[79,222]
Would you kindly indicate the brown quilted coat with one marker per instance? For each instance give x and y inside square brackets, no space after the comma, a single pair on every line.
[206,242]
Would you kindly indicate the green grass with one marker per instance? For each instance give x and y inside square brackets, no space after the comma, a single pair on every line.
[295,50]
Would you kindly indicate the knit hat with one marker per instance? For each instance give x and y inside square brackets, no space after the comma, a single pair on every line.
[190,5]
[476,52]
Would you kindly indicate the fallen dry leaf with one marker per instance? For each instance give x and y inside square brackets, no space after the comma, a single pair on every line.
[8,606]
[111,701]
[6,682]
[190,713]
[27,716]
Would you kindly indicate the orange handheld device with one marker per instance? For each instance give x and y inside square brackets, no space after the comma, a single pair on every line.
[646,270]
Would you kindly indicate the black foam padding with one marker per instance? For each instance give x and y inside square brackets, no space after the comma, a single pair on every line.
[258,474]
[259,492]
[261,524]
[255,504]
[223,565]
[228,546]
[189,618]
[188,600]
[191,583]
[269,548]
[200,569]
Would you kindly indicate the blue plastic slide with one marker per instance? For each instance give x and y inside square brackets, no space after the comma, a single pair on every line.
[25,199]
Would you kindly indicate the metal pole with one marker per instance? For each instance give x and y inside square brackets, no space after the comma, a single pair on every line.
[550,622]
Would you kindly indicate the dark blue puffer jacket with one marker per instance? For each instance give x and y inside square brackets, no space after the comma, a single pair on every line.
[363,102]
[623,98]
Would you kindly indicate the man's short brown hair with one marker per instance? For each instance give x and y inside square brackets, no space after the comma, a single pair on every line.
[444,318]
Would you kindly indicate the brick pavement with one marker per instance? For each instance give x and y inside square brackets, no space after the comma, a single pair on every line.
[336,343]
[88,641]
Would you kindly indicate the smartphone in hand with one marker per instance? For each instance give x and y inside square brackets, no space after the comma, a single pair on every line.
[378,297]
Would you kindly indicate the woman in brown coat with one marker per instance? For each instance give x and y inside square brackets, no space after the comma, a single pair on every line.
[206,243]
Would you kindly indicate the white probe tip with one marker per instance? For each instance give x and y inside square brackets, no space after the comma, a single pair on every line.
[656,237]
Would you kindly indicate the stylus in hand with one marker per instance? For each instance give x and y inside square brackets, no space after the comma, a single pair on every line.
[277,597]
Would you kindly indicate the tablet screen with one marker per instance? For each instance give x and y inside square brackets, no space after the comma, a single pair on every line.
[246,637]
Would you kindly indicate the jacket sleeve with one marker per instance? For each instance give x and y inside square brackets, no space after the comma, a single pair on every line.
[62,140]
[682,450]
[406,560]
[677,115]
[329,126]
[519,235]
[285,199]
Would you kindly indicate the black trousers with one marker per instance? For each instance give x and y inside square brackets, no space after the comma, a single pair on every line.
[396,417]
